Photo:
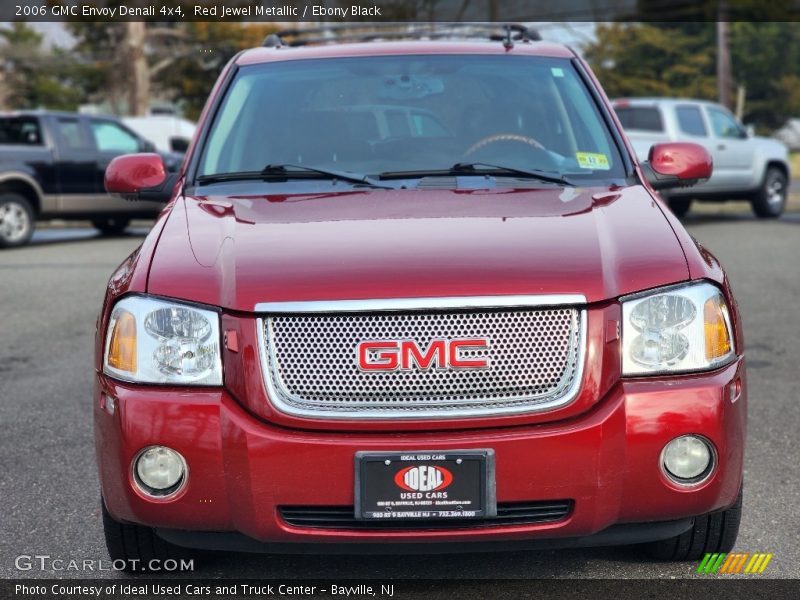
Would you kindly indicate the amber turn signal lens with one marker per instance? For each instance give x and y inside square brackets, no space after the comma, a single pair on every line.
[718,339]
[122,348]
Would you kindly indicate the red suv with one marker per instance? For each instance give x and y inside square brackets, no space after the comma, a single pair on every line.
[411,294]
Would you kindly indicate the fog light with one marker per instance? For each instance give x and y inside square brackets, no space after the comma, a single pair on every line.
[688,459]
[159,471]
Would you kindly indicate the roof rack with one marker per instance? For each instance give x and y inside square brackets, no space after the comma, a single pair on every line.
[337,33]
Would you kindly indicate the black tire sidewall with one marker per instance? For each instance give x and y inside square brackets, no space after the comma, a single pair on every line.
[761,205]
[679,206]
[111,225]
[715,532]
[136,545]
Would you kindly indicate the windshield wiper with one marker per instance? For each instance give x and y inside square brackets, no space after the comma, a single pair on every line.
[293,171]
[479,168]
[289,171]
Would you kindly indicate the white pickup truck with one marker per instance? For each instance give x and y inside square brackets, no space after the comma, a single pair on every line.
[745,166]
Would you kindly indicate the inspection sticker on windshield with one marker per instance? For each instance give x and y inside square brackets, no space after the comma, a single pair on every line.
[592,160]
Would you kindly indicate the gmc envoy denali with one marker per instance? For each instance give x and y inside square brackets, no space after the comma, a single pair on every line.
[416,296]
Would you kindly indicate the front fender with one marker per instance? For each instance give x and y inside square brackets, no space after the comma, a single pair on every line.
[20,172]
[769,152]
[129,277]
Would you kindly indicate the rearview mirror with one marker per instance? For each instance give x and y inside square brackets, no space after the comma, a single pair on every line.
[139,177]
[678,164]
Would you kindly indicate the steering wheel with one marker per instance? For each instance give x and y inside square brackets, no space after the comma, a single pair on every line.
[503,137]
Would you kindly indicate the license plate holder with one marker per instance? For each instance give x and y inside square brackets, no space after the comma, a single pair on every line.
[425,485]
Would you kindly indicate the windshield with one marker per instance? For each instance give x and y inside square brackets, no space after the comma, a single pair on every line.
[385,116]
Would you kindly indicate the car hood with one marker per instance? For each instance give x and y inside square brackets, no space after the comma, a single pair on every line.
[235,251]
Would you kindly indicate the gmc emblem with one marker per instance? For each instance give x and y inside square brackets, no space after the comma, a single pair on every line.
[407,354]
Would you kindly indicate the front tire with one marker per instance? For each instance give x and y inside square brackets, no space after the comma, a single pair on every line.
[136,545]
[716,532]
[769,201]
[679,206]
[111,225]
[16,220]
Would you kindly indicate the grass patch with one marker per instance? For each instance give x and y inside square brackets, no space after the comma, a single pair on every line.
[794,162]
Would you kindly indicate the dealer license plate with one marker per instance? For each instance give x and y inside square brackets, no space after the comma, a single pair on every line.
[419,485]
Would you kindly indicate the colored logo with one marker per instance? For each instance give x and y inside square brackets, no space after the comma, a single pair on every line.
[423,478]
[734,563]
[405,355]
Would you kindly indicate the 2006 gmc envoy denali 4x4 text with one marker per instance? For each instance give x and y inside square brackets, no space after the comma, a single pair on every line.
[417,295]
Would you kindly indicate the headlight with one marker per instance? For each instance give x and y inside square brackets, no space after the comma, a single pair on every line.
[157,341]
[676,329]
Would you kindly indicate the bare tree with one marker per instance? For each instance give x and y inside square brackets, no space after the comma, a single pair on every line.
[723,56]
[3,88]
[138,71]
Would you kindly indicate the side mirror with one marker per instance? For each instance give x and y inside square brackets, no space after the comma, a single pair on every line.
[677,165]
[139,177]
[148,146]
[750,131]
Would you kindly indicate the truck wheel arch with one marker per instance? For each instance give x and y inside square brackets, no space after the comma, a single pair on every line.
[778,164]
[23,184]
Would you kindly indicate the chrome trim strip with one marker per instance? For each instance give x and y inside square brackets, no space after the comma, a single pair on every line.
[274,397]
[397,304]
[50,203]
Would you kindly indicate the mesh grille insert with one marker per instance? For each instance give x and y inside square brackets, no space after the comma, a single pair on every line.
[534,361]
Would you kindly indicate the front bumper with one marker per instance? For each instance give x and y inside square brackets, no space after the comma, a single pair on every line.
[242,469]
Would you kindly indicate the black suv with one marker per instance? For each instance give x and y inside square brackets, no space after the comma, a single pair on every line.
[52,166]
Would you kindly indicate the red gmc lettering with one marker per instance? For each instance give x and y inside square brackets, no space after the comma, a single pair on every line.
[407,354]
[435,352]
[459,363]
[386,359]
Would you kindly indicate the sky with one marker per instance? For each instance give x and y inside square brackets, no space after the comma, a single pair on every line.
[55,33]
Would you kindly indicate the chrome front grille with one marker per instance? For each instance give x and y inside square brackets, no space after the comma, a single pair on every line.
[535,358]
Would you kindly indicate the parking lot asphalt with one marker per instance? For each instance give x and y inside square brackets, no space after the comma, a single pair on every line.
[50,295]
